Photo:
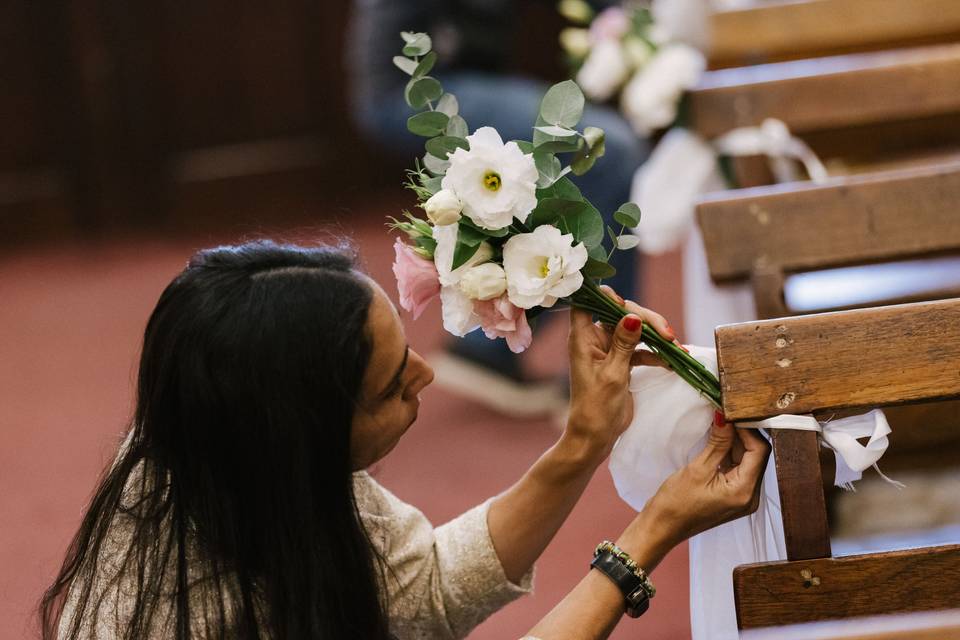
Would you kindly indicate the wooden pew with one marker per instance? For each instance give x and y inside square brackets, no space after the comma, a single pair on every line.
[771,32]
[823,364]
[937,625]
[769,234]
[855,111]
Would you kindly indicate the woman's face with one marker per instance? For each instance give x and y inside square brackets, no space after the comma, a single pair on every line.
[390,393]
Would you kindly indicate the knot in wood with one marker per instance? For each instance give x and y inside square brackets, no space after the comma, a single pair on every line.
[786,399]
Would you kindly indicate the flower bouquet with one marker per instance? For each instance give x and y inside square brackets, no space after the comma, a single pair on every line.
[507,234]
[624,50]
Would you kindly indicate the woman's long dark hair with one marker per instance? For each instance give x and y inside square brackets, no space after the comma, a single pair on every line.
[235,488]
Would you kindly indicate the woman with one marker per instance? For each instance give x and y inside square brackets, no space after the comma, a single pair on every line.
[271,376]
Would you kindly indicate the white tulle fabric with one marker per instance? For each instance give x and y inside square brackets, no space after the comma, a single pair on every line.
[670,426]
[684,166]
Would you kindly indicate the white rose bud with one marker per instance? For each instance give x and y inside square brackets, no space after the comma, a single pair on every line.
[484,282]
[443,207]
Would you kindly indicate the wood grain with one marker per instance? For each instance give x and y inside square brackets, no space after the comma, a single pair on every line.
[802,504]
[927,625]
[767,32]
[866,216]
[831,92]
[778,593]
[847,359]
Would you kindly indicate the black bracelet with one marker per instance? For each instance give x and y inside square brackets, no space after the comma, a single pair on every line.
[634,589]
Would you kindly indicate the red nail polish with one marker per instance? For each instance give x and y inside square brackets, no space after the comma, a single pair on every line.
[684,348]
[718,420]
[632,323]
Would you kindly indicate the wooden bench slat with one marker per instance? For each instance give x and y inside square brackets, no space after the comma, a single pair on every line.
[922,625]
[778,30]
[778,593]
[883,216]
[848,359]
[831,92]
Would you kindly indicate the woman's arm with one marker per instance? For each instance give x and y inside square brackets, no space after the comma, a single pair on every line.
[721,484]
[524,519]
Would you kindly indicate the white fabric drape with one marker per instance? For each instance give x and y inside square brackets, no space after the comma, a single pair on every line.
[670,426]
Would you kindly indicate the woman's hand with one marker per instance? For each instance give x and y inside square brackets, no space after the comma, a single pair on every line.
[721,484]
[601,407]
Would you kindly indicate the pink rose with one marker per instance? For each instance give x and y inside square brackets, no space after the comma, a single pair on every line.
[613,23]
[499,318]
[417,279]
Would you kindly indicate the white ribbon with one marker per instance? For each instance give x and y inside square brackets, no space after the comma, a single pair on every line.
[841,436]
[772,139]
[684,166]
[670,427]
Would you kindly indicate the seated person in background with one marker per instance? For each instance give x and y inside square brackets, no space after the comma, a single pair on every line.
[271,376]
[473,40]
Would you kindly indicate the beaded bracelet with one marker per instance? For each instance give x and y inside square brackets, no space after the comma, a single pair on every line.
[625,558]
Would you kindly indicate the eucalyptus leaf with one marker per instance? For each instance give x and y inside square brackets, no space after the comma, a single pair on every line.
[470,235]
[442,146]
[597,253]
[498,233]
[457,127]
[628,215]
[420,45]
[435,165]
[548,166]
[427,123]
[409,36]
[612,235]
[462,253]
[405,64]
[593,147]
[426,64]
[562,105]
[627,241]
[448,104]
[563,189]
[552,210]
[433,184]
[525,146]
[560,146]
[598,269]
[420,91]
[555,131]
[586,225]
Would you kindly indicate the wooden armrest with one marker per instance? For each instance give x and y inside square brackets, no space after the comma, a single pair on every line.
[817,27]
[884,216]
[843,360]
[832,92]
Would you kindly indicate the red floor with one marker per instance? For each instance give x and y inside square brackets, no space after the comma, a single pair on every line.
[71,317]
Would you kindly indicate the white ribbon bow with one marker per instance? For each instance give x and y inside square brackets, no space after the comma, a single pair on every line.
[841,436]
[683,166]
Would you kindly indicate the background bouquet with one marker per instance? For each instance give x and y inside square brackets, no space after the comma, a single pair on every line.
[507,234]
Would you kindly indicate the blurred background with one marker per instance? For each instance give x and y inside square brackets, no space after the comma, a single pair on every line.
[135,134]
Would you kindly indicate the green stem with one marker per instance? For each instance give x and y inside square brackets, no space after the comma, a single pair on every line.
[691,370]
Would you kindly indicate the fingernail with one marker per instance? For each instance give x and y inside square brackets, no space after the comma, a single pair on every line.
[617,297]
[718,420]
[632,323]
[671,333]
[683,347]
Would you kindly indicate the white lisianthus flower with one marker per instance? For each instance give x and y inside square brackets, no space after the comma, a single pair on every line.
[496,182]
[443,207]
[651,97]
[542,266]
[484,282]
[446,237]
[459,317]
[604,70]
